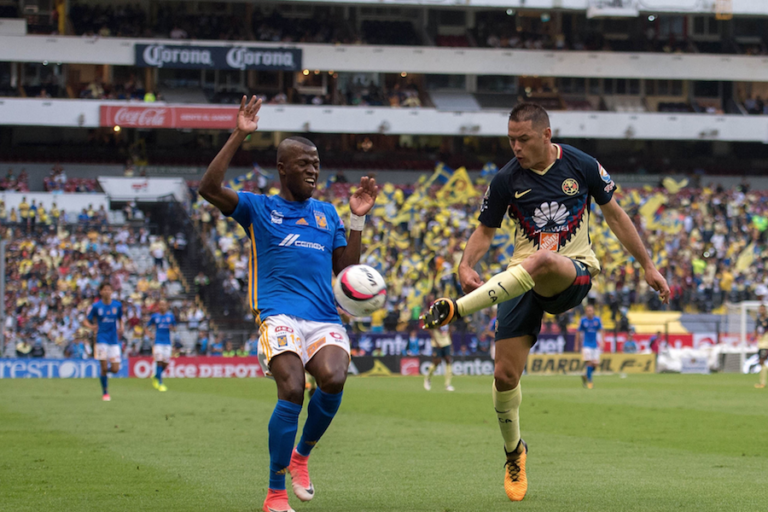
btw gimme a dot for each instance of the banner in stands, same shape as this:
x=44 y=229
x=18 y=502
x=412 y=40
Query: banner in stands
x=54 y=368
x=571 y=363
x=368 y=366
x=390 y=344
x=144 y=189
x=198 y=367
x=217 y=57
x=162 y=116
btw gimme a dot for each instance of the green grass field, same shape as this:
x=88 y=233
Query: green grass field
x=658 y=442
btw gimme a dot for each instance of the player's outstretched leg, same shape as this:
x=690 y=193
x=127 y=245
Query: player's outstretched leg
x=507 y=285
x=329 y=366
x=283 y=425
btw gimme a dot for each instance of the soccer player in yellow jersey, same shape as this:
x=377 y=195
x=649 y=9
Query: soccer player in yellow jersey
x=441 y=351
x=761 y=333
x=547 y=191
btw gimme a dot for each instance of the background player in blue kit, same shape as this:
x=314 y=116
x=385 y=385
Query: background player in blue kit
x=163 y=322
x=547 y=190
x=108 y=314
x=587 y=337
x=297 y=244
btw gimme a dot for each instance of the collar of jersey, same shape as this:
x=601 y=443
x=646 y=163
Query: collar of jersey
x=293 y=204
x=559 y=156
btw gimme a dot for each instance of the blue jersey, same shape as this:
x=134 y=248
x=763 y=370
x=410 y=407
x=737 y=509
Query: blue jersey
x=162 y=325
x=107 y=317
x=291 y=260
x=590 y=329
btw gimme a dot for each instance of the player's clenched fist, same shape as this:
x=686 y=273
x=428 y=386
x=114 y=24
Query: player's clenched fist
x=470 y=280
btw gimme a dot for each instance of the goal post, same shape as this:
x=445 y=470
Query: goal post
x=740 y=324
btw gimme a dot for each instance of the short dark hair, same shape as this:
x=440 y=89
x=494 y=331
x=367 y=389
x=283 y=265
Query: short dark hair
x=528 y=111
x=103 y=284
x=301 y=140
x=282 y=148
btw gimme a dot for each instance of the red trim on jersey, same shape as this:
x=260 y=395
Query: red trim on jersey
x=581 y=280
x=559 y=151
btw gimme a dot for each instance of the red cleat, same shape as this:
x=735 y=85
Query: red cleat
x=302 y=485
x=277 y=501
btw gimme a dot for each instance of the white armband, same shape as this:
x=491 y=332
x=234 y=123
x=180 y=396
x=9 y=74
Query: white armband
x=356 y=222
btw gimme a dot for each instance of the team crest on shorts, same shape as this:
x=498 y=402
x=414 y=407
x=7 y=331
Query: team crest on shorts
x=282 y=341
x=320 y=220
x=571 y=187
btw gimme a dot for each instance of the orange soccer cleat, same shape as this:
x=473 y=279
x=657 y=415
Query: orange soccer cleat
x=515 y=480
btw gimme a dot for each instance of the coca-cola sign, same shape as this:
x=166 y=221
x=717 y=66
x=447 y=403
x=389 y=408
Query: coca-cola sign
x=144 y=117
x=156 y=116
x=217 y=57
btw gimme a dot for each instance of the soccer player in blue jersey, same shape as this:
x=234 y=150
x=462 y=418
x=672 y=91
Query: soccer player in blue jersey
x=587 y=337
x=546 y=189
x=163 y=322
x=108 y=316
x=297 y=244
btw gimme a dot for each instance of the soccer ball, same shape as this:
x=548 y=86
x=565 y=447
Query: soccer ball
x=360 y=290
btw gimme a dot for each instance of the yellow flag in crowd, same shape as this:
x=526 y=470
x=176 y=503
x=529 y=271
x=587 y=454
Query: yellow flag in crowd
x=745 y=259
x=458 y=189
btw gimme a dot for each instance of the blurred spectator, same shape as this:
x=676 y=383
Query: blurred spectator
x=217 y=347
x=201 y=348
x=23 y=348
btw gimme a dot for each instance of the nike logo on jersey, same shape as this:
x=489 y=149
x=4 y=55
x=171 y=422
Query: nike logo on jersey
x=293 y=240
x=518 y=195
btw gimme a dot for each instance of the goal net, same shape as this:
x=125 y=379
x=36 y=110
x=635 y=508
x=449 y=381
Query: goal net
x=739 y=328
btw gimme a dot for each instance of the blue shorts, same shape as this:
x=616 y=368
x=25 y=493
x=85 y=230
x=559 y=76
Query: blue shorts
x=522 y=315
x=441 y=352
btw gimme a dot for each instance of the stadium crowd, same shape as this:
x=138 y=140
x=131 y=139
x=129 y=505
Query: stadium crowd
x=710 y=242
x=491 y=30
x=53 y=274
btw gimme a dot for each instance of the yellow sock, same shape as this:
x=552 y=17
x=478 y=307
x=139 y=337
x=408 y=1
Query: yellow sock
x=764 y=374
x=431 y=371
x=448 y=374
x=507 y=405
x=509 y=284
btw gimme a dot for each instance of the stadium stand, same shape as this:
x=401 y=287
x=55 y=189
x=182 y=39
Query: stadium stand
x=706 y=258
x=54 y=271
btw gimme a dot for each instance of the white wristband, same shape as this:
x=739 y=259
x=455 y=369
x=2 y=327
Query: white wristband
x=356 y=222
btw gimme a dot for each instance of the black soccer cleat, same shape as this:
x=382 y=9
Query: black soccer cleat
x=441 y=312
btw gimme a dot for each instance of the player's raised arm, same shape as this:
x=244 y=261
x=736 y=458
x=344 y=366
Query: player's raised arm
x=625 y=231
x=477 y=245
x=360 y=204
x=226 y=199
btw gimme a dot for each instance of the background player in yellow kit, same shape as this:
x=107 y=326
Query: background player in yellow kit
x=441 y=351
